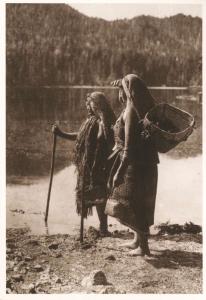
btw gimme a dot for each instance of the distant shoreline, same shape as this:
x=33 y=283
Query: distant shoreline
x=101 y=87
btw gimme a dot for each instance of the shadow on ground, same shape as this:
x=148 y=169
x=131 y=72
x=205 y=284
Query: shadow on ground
x=174 y=259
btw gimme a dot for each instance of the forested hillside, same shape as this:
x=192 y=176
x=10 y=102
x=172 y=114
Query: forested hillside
x=53 y=44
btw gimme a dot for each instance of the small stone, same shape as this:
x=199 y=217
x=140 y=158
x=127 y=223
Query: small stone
x=66 y=289
x=23 y=271
x=45 y=277
x=58 y=280
x=66 y=282
x=9 y=251
x=33 y=242
x=86 y=246
x=43 y=261
x=11 y=246
x=58 y=255
x=29 y=288
x=9 y=240
x=42 y=290
x=17 y=277
x=96 y=277
x=8 y=291
x=111 y=257
x=19 y=211
x=38 y=268
x=43 y=283
x=47 y=270
x=10 y=264
x=53 y=246
x=22 y=264
x=17 y=258
x=108 y=290
x=28 y=258
x=9 y=283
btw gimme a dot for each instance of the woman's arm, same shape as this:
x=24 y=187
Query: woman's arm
x=130 y=120
x=130 y=129
x=66 y=135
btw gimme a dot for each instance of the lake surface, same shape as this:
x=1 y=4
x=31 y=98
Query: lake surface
x=32 y=111
x=179 y=199
x=30 y=115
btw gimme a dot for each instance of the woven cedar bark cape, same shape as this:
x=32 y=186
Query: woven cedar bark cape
x=91 y=154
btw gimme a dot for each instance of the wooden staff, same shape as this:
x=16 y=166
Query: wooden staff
x=82 y=226
x=82 y=210
x=51 y=176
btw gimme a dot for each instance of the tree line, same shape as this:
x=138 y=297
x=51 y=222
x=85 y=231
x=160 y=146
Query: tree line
x=53 y=44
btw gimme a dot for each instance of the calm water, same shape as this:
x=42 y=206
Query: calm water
x=179 y=199
x=30 y=114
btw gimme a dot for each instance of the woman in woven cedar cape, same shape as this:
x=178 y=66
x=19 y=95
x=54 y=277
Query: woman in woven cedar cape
x=133 y=176
x=94 y=143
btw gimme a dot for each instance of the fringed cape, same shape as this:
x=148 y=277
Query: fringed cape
x=90 y=156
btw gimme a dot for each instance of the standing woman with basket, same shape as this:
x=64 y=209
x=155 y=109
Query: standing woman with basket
x=133 y=175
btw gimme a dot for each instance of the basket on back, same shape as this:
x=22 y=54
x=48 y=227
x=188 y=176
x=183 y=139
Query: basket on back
x=169 y=126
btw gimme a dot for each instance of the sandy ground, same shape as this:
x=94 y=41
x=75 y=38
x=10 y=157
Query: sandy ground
x=55 y=264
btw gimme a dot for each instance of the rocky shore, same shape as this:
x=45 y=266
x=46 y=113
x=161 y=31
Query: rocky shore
x=55 y=264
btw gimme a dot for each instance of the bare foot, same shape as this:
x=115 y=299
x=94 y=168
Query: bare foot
x=139 y=252
x=131 y=245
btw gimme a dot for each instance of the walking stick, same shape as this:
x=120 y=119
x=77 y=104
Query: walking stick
x=51 y=176
x=82 y=226
x=82 y=210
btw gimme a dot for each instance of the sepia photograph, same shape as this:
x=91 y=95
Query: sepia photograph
x=104 y=147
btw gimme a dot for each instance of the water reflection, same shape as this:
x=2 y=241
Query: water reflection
x=179 y=199
x=32 y=111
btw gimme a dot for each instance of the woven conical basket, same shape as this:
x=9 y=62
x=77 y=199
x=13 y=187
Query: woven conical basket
x=169 y=126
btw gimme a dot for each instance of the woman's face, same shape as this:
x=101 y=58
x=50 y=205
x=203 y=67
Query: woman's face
x=94 y=108
x=87 y=103
x=122 y=96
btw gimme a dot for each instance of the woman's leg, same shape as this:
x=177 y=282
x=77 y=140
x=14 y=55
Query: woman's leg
x=144 y=247
x=103 y=228
x=144 y=244
x=134 y=244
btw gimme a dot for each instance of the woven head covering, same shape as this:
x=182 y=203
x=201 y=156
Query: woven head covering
x=137 y=92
